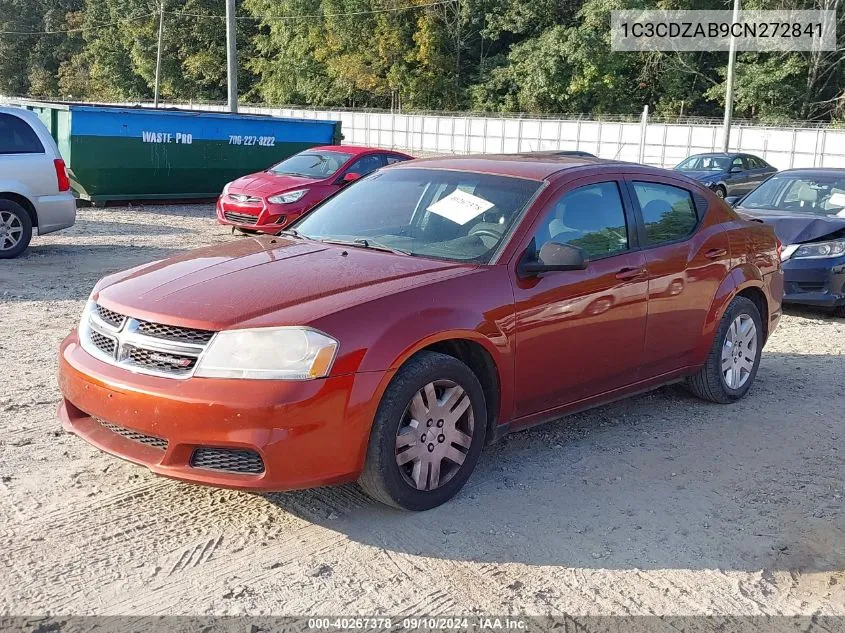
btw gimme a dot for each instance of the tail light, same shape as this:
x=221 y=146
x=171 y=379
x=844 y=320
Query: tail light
x=61 y=175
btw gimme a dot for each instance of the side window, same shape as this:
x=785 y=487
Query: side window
x=738 y=162
x=16 y=137
x=668 y=212
x=392 y=158
x=366 y=164
x=590 y=217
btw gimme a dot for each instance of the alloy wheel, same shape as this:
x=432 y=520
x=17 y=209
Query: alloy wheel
x=434 y=435
x=11 y=230
x=739 y=351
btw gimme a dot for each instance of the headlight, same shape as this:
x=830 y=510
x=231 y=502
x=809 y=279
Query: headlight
x=225 y=188
x=820 y=250
x=280 y=353
x=287 y=197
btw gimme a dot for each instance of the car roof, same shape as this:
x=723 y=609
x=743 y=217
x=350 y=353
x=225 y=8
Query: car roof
x=529 y=166
x=807 y=171
x=351 y=149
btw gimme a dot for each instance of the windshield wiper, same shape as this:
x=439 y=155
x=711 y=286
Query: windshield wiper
x=366 y=243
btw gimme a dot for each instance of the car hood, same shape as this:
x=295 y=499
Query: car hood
x=796 y=228
x=266 y=183
x=702 y=175
x=291 y=282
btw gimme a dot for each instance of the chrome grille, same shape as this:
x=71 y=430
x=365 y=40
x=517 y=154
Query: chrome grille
x=143 y=347
x=240 y=218
x=105 y=344
x=242 y=197
x=160 y=361
x=228 y=460
x=174 y=333
x=135 y=436
x=111 y=318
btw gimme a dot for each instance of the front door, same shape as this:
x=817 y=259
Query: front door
x=580 y=333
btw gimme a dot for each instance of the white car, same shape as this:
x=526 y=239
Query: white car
x=34 y=185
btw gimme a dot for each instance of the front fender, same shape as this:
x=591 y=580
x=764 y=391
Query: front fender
x=381 y=335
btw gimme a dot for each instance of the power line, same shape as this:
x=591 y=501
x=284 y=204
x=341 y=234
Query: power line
x=314 y=15
x=80 y=29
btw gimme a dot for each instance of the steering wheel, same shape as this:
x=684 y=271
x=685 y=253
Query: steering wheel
x=486 y=231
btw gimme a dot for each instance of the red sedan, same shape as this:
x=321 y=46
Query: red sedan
x=270 y=200
x=422 y=312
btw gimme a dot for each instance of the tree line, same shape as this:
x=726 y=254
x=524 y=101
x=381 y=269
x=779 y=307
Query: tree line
x=535 y=56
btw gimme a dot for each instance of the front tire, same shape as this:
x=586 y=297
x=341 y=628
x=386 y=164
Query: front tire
x=720 y=191
x=427 y=435
x=15 y=229
x=734 y=357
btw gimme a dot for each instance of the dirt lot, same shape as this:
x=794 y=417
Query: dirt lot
x=657 y=505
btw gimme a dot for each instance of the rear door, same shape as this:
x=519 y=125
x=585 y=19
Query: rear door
x=687 y=256
x=24 y=159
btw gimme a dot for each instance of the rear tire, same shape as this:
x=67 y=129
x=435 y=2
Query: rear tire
x=15 y=229
x=839 y=311
x=720 y=191
x=734 y=356
x=421 y=452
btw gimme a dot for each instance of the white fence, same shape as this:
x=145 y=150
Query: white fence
x=665 y=144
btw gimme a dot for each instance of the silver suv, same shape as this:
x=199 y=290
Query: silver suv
x=34 y=185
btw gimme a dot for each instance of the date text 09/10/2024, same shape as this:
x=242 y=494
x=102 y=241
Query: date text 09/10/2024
x=419 y=623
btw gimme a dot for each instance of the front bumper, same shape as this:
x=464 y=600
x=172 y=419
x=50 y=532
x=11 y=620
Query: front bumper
x=815 y=282
x=307 y=433
x=261 y=217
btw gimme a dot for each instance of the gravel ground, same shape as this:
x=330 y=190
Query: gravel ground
x=657 y=505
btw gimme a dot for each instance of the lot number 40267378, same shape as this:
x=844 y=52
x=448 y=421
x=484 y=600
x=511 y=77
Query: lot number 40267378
x=265 y=141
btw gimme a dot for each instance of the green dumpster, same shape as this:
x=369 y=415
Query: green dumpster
x=119 y=153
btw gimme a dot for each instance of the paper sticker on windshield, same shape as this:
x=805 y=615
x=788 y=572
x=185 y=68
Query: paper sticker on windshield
x=460 y=207
x=837 y=200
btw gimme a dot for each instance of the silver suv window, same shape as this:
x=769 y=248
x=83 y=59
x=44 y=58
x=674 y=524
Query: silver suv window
x=16 y=137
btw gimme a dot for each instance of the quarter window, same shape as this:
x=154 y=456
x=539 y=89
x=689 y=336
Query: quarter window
x=668 y=212
x=590 y=217
x=16 y=137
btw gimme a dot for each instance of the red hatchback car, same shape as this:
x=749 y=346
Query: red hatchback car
x=422 y=312
x=271 y=200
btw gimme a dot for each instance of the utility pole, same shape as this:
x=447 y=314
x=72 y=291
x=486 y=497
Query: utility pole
x=232 y=56
x=158 y=56
x=729 y=88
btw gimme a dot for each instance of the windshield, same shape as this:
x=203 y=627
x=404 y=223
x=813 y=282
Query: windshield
x=814 y=195
x=451 y=215
x=312 y=164
x=705 y=163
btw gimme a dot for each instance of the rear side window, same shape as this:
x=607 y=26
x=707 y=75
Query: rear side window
x=668 y=212
x=16 y=137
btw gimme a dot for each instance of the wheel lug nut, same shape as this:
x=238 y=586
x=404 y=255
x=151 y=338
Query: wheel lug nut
x=422 y=438
x=441 y=438
x=429 y=423
x=440 y=423
x=430 y=447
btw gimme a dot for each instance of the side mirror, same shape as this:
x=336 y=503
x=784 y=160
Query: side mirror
x=731 y=200
x=553 y=257
x=350 y=177
x=735 y=170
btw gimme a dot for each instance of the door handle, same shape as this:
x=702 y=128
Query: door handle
x=630 y=273
x=716 y=253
